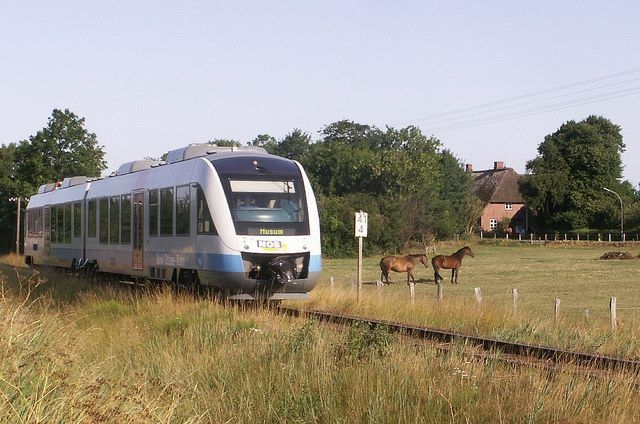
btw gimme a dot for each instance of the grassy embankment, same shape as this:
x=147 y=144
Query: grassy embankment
x=73 y=352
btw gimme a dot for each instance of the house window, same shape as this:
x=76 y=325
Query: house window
x=493 y=224
x=508 y=206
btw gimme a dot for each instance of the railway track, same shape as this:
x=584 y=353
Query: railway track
x=510 y=351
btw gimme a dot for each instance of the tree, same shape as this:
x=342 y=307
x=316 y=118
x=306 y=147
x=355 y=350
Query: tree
x=224 y=142
x=564 y=183
x=64 y=148
x=399 y=176
x=294 y=145
x=9 y=187
x=266 y=141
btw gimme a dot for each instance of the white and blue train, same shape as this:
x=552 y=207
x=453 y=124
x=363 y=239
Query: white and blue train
x=233 y=218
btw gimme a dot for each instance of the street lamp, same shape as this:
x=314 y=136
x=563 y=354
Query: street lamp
x=621 y=212
x=18 y=200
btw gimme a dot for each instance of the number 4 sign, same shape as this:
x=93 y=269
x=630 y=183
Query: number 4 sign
x=361 y=224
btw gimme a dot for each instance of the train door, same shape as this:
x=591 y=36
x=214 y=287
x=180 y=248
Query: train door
x=138 y=230
x=46 y=233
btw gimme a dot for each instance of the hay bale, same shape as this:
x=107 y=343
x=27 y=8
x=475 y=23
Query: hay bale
x=617 y=255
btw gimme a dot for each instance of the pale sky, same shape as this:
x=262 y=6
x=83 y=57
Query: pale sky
x=154 y=76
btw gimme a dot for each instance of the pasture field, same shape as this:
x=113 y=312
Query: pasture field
x=76 y=352
x=541 y=273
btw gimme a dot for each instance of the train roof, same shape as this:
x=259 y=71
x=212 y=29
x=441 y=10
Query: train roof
x=177 y=169
x=63 y=193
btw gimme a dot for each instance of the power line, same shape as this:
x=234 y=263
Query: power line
x=534 y=111
x=523 y=96
x=469 y=115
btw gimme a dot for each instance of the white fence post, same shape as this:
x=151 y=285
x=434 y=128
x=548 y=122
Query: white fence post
x=557 y=310
x=614 y=314
x=440 y=292
x=586 y=315
x=332 y=282
x=412 y=290
x=514 y=292
x=478 y=294
x=609 y=237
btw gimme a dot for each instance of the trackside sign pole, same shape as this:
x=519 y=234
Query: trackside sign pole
x=361 y=220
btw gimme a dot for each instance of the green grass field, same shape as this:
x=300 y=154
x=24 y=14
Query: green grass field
x=79 y=352
x=541 y=273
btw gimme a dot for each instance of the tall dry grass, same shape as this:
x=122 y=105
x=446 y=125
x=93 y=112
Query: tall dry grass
x=111 y=354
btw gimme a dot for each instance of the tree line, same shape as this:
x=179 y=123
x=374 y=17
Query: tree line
x=413 y=188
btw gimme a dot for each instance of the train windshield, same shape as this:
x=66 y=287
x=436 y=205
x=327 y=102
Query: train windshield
x=273 y=206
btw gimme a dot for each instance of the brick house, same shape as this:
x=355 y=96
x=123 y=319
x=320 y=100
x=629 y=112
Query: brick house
x=498 y=189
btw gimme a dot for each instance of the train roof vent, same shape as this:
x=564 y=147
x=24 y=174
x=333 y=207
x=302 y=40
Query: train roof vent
x=42 y=188
x=49 y=187
x=198 y=150
x=73 y=181
x=135 y=166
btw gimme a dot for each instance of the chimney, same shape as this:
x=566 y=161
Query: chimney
x=498 y=165
x=468 y=167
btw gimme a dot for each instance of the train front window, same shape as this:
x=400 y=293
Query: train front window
x=274 y=206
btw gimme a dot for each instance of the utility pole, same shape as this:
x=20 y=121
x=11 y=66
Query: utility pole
x=17 y=200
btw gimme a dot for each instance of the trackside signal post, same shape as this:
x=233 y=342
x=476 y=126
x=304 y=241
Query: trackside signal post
x=361 y=220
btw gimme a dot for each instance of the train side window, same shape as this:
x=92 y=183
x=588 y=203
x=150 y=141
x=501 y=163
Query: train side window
x=60 y=224
x=153 y=212
x=91 y=218
x=183 y=211
x=39 y=222
x=114 y=219
x=30 y=220
x=34 y=222
x=54 y=224
x=125 y=219
x=77 y=220
x=205 y=223
x=104 y=219
x=66 y=223
x=166 y=211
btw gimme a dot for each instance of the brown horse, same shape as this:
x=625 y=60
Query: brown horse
x=401 y=264
x=452 y=262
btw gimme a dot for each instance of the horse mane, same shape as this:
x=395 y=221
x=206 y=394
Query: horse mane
x=416 y=255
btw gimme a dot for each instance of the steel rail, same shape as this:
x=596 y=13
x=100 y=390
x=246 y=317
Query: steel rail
x=544 y=353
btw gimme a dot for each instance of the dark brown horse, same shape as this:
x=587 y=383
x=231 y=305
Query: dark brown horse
x=401 y=264
x=452 y=262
